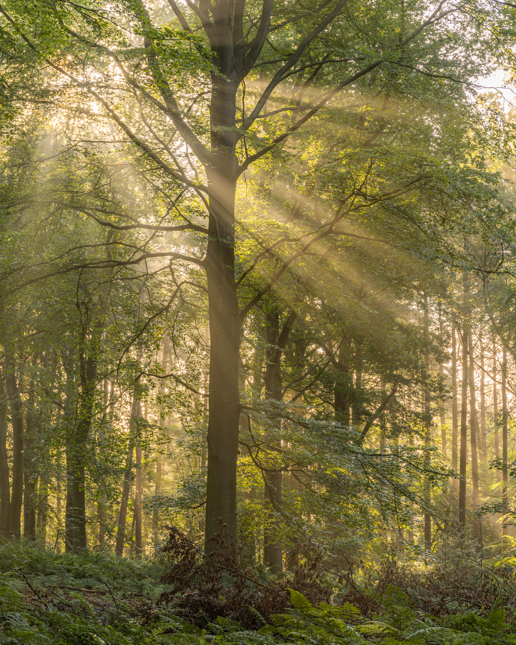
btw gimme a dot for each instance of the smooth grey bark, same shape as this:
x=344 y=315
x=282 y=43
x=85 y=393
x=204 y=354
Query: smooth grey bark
x=495 y=411
x=474 y=436
x=15 y=403
x=76 y=448
x=343 y=389
x=428 y=435
x=138 y=500
x=42 y=514
x=224 y=317
x=136 y=411
x=30 y=475
x=455 y=412
x=159 y=459
x=483 y=426
x=505 y=472
x=5 y=489
x=273 y=490
x=463 y=430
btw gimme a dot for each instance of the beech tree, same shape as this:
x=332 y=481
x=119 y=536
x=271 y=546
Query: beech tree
x=200 y=94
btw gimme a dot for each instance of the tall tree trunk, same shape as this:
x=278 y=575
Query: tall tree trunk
x=157 y=491
x=505 y=473
x=455 y=415
x=474 y=435
x=357 y=409
x=126 y=489
x=138 y=508
x=59 y=509
x=442 y=423
x=42 y=517
x=428 y=435
x=101 y=499
x=483 y=430
x=159 y=459
x=495 y=410
x=224 y=317
x=29 y=472
x=15 y=402
x=442 y=413
x=343 y=389
x=76 y=449
x=272 y=544
x=463 y=430
x=5 y=492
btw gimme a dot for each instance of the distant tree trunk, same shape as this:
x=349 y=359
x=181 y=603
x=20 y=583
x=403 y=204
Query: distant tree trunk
x=29 y=472
x=463 y=430
x=159 y=459
x=122 y=516
x=273 y=547
x=15 y=404
x=42 y=517
x=343 y=382
x=138 y=508
x=505 y=489
x=5 y=492
x=483 y=430
x=442 y=413
x=455 y=415
x=101 y=501
x=442 y=423
x=474 y=435
x=357 y=409
x=157 y=491
x=495 y=410
x=59 y=509
x=383 y=421
x=76 y=448
x=428 y=435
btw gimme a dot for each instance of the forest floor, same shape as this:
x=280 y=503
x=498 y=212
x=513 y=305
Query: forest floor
x=96 y=598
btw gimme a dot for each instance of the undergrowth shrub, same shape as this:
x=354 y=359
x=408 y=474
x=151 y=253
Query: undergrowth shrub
x=45 y=600
x=204 y=586
x=441 y=591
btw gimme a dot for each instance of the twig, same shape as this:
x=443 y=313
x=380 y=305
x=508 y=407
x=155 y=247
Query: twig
x=34 y=591
x=110 y=591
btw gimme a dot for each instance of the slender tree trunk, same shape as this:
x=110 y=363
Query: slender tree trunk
x=474 y=435
x=505 y=474
x=343 y=389
x=463 y=430
x=126 y=489
x=428 y=435
x=138 y=508
x=442 y=423
x=483 y=429
x=357 y=409
x=157 y=491
x=101 y=499
x=17 y=423
x=79 y=434
x=495 y=410
x=159 y=459
x=29 y=473
x=76 y=455
x=42 y=517
x=455 y=415
x=272 y=546
x=5 y=492
x=59 y=510
x=383 y=421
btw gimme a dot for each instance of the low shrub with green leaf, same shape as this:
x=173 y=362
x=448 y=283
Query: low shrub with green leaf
x=97 y=599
